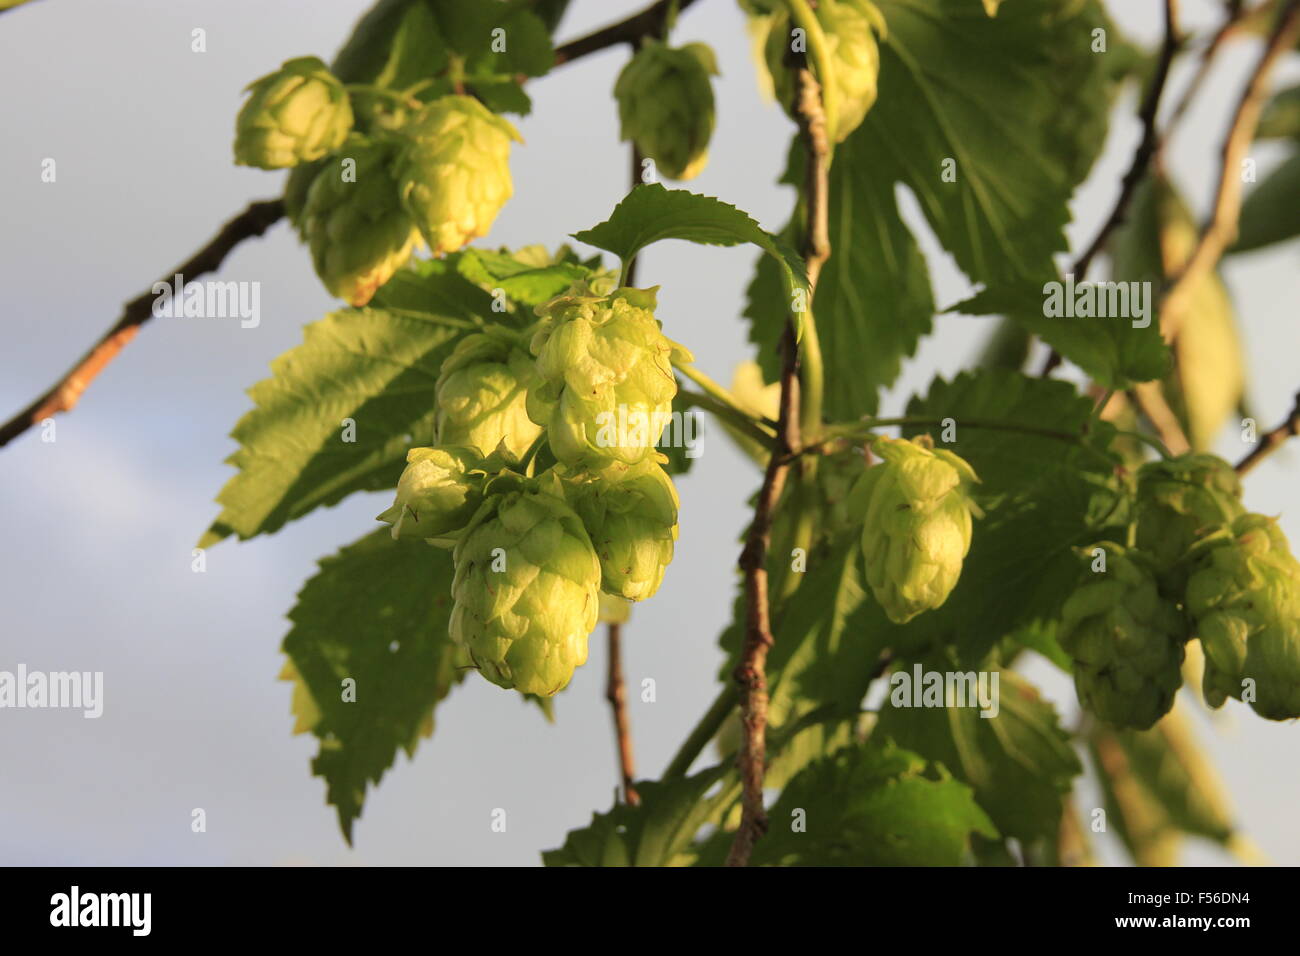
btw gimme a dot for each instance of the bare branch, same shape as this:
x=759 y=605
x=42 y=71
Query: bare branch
x=1273 y=440
x=616 y=694
x=649 y=22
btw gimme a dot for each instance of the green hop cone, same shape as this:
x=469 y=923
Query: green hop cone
x=916 y=531
x=357 y=230
x=527 y=587
x=437 y=494
x=454 y=173
x=850 y=27
x=1179 y=500
x=1244 y=598
x=630 y=511
x=665 y=105
x=481 y=396
x=1126 y=641
x=607 y=376
x=297 y=114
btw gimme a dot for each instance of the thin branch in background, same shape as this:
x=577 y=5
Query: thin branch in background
x=64 y=394
x=1141 y=162
x=751 y=672
x=616 y=694
x=255 y=221
x=1273 y=440
x=1231 y=21
x=1221 y=231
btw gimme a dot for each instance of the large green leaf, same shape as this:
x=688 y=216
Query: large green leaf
x=376 y=613
x=1019 y=761
x=373 y=368
x=1271 y=212
x=872 y=805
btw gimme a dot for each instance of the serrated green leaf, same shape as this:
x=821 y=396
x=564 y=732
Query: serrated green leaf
x=395 y=44
x=1020 y=761
x=366 y=374
x=1271 y=212
x=376 y=614
x=527 y=284
x=872 y=805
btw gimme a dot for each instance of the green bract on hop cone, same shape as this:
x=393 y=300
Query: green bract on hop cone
x=454 y=173
x=1178 y=501
x=481 y=396
x=665 y=105
x=630 y=511
x=916 y=531
x=1126 y=640
x=357 y=230
x=436 y=495
x=1244 y=599
x=295 y=115
x=607 y=376
x=850 y=27
x=527 y=587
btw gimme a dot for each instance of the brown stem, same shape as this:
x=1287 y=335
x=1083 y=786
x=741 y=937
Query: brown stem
x=1138 y=166
x=1150 y=400
x=1273 y=440
x=64 y=394
x=751 y=672
x=616 y=694
x=1221 y=230
x=649 y=22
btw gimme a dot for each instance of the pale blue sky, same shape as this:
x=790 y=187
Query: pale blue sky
x=98 y=526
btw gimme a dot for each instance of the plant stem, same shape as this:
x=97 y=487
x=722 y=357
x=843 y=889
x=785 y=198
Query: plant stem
x=616 y=694
x=1273 y=440
x=801 y=15
x=738 y=419
x=721 y=708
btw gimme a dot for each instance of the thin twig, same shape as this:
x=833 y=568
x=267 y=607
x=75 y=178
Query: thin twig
x=1150 y=400
x=1137 y=169
x=1221 y=230
x=751 y=672
x=616 y=694
x=1273 y=440
x=256 y=220
x=1232 y=19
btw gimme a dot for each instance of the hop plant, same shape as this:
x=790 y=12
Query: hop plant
x=297 y=114
x=665 y=105
x=606 y=372
x=357 y=230
x=1126 y=641
x=481 y=396
x=437 y=494
x=630 y=511
x=1179 y=500
x=454 y=173
x=1244 y=597
x=850 y=27
x=916 y=531
x=526 y=593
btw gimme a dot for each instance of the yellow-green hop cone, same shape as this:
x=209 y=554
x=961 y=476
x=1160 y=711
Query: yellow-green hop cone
x=630 y=511
x=850 y=27
x=527 y=588
x=665 y=105
x=454 y=173
x=357 y=230
x=1126 y=641
x=297 y=114
x=607 y=377
x=437 y=494
x=481 y=396
x=916 y=531
x=1244 y=599
x=1179 y=500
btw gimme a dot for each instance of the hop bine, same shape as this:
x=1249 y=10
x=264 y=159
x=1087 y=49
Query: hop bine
x=916 y=524
x=297 y=114
x=1126 y=641
x=665 y=105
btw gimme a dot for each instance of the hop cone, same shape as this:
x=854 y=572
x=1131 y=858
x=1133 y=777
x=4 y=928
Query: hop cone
x=607 y=376
x=526 y=590
x=357 y=230
x=295 y=115
x=916 y=528
x=631 y=514
x=436 y=495
x=481 y=395
x=665 y=105
x=454 y=174
x=850 y=27
x=1244 y=597
x=1178 y=501
x=1126 y=641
